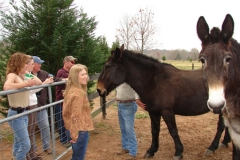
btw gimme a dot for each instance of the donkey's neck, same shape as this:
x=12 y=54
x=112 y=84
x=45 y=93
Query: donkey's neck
x=234 y=70
x=140 y=71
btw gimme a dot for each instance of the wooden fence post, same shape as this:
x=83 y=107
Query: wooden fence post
x=103 y=104
x=192 y=66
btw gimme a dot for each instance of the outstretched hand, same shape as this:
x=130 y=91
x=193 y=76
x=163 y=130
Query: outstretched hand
x=48 y=80
x=140 y=104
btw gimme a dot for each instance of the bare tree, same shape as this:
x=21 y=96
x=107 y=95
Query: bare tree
x=144 y=30
x=137 y=33
x=125 y=33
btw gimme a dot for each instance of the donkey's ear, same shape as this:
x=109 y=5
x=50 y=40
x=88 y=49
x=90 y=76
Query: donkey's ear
x=202 y=29
x=117 y=54
x=122 y=47
x=227 y=28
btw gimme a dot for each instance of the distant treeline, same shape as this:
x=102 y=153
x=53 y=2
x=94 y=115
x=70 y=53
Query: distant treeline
x=173 y=54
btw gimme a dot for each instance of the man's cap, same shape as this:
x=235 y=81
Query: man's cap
x=37 y=60
x=70 y=58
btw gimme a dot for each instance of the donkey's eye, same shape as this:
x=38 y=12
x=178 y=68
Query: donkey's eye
x=107 y=67
x=202 y=60
x=228 y=59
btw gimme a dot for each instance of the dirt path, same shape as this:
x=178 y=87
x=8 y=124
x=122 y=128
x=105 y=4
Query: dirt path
x=196 y=134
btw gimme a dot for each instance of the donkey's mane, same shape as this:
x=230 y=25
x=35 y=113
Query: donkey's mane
x=215 y=35
x=141 y=59
x=235 y=48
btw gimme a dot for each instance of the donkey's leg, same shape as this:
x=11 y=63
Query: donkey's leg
x=155 y=129
x=169 y=118
x=236 y=153
x=226 y=139
x=215 y=143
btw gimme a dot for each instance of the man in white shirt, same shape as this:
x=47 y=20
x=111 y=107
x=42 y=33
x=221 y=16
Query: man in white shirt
x=128 y=101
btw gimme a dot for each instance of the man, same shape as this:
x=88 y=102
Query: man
x=127 y=107
x=42 y=116
x=62 y=73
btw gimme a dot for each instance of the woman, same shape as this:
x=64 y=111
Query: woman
x=32 y=105
x=18 y=102
x=76 y=111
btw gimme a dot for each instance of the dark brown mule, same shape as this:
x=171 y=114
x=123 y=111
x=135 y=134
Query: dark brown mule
x=164 y=89
x=220 y=57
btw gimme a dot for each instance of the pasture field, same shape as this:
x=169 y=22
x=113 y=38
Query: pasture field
x=184 y=64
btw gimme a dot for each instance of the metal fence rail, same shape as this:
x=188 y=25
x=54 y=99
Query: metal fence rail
x=6 y=133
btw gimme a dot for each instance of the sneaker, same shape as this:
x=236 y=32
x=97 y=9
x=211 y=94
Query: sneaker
x=67 y=145
x=48 y=151
x=122 y=151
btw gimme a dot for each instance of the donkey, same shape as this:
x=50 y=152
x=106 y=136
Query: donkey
x=220 y=57
x=164 y=89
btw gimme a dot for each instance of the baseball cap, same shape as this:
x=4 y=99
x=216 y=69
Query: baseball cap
x=38 y=60
x=70 y=58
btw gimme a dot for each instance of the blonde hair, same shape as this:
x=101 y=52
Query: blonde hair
x=73 y=78
x=16 y=62
x=29 y=58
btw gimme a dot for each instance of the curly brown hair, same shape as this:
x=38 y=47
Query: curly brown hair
x=16 y=62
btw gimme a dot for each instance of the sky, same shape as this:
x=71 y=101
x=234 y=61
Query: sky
x=176 y=19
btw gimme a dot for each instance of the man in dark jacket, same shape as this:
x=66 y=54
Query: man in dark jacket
x=42 y=116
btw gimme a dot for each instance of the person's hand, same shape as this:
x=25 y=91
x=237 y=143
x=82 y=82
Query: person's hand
x=140 y=104
x=48 y=80
x=30 y=82
x=72 y=141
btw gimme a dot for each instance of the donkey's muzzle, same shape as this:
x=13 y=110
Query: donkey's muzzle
x=102 y=93
x=216 y=108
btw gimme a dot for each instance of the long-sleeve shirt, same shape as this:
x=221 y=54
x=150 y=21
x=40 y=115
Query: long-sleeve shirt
x=77 y=112
x=61 y=73
x=43 y=94
x=125 y=92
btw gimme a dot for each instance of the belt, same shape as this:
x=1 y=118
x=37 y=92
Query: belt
x=19 y=109
x=125 y=101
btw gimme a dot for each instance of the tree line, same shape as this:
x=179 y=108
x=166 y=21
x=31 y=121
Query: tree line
x=173 y=54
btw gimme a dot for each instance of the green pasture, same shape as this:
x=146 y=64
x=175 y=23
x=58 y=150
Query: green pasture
x=184 y=64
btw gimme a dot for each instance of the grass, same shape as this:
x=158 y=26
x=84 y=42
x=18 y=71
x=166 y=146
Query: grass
x=184 y=64
x=141 y=115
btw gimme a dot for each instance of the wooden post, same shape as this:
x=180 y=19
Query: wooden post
x=103 y=104
x=192 y=66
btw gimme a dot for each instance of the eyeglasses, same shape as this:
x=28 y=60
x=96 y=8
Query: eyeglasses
x=73 y=62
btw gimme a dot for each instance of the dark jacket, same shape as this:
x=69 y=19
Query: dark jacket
x=43 y=94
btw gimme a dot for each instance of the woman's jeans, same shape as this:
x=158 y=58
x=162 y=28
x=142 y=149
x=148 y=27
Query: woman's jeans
x=80 y=147
x=21 y=145
x=126 y=116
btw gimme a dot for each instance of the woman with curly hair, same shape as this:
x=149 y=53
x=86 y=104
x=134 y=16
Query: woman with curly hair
x=19 y=102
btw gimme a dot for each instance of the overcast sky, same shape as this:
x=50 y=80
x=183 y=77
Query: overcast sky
x=176 y=19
